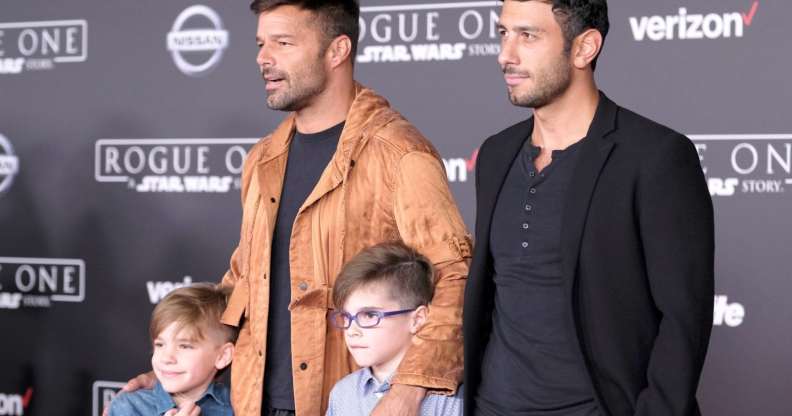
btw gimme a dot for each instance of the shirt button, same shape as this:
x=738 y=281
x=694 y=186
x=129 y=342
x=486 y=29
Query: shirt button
x=303 y=366
x=532 y=190
x=524 y=244
x=303 y=286
x=525 y=226
x=528 y=207
x=532 y=174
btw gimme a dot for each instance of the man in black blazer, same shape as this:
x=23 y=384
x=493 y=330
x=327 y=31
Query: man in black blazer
x=591 y=286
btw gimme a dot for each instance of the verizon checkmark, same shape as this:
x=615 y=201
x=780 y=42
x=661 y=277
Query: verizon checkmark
x=748 y=18
x=26 y=398
x=471 y=163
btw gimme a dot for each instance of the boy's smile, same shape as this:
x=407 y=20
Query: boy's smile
x=185 y=365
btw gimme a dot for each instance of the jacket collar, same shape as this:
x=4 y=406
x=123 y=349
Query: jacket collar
x=367 y=109
x=594 y=152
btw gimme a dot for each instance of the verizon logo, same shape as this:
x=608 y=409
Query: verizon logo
x=686 y=25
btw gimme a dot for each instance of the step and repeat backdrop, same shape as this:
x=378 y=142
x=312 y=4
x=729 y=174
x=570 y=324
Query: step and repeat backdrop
x=124 y=126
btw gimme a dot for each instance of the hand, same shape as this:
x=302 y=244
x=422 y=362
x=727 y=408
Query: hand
x=143 y=381
x=401 y=400
x=187 y=409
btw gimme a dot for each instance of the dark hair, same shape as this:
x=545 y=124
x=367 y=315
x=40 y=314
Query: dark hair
x=577 y=16
x=336 y=17
x=408 y=275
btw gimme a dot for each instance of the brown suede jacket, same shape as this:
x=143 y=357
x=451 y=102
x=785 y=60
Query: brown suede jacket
x=384 y=182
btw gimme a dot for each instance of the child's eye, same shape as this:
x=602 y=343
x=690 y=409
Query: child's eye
x=186 y=346
x=157 y=345
x=370 y=314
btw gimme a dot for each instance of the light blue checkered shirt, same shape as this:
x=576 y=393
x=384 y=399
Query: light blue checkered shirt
x=358 y=393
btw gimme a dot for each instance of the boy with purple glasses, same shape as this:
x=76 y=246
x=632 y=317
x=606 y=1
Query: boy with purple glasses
x=382 y=298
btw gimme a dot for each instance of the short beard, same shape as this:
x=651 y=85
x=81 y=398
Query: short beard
x=302 y=87
x=549 y=83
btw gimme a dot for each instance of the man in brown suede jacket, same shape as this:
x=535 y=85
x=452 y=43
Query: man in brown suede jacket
x=342 y=172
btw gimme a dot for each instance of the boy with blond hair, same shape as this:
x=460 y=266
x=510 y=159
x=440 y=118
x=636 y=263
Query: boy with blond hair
x=190 y=347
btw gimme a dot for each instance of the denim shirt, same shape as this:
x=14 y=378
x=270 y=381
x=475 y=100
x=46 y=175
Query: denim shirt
x=216 y=401
x=358 y=393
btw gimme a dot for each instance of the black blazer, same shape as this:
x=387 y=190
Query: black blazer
x=637 y=260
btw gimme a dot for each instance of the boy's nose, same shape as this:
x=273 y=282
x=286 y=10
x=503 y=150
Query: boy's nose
x=354 y=330
x=167 y=356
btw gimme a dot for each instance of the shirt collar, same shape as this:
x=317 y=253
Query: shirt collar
x=164 y=401
x=369 y=383
x=215 y=392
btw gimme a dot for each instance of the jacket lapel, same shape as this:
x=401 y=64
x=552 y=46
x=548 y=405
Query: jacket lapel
x=366 y=110
x=271 y=170
x=594 y=153
x=493 y=174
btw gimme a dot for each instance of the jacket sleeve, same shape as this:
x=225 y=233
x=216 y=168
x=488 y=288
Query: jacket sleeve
x=428 y=220
x=677 y=232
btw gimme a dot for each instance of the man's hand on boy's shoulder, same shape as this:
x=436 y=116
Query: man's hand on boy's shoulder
x=189 y=409
x=401 y=400
x=143 y=381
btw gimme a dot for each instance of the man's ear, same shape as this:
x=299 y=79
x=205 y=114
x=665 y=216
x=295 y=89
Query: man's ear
x=418 y=318
x=586 y=47
x=225 y=356
x=339 y=50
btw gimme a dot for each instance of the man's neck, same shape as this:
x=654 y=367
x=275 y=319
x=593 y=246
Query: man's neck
x=567 y=119
x=327 y=109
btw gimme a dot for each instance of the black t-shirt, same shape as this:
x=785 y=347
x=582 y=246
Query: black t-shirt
x=308 y=157
x=531 y=366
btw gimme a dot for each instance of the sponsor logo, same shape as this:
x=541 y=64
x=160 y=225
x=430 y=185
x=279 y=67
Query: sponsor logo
x=37 y=282
x=37 y=46
x=9 y=164
x=197 y=33
x=457 y=169
x=685 y=25
x=728 y=314
x=103 y=393
x=15 y=404
x=745 y=164
x=428 y=32
x=158 y=290
x=172 y=165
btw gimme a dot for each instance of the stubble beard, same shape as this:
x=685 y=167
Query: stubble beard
x=549 y=83
x=299 y=88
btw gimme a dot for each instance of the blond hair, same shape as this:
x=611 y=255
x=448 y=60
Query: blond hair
x=197 y=308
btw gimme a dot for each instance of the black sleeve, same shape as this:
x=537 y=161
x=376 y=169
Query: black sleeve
x=677 y=232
